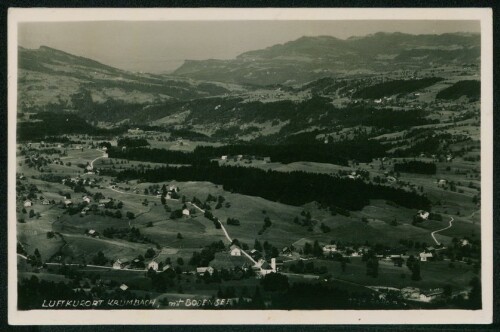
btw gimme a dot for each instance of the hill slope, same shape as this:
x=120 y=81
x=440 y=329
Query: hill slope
x=51 y=79
x=309 y=58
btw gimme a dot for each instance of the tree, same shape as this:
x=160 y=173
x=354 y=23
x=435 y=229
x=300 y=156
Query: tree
x=179 y=236
x=415 y=271
x=32 y=214
x=180 y=261
x=150 y=253
x=257 y=246
x=130 y=215
x=163 y=200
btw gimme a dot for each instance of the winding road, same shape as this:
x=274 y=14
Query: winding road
x=440 y=230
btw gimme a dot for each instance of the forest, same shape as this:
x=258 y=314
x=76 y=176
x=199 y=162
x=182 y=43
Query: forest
x=415 y=166
x=294 y=188
x=390 y=88
x=361 y=150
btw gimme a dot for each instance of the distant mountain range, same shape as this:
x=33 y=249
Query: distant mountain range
x=50 y=78
x=309 y=58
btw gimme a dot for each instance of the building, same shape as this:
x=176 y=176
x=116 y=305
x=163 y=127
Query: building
x=92 y=233
x=123 y=287
x=442 y=183
x=410 y=293
x=67 y=202
x=28 y=203
x=423 y=214
x=45 y=202
x=235 y=250
x=329 y=248
x=185 y=212
x=86 y=199
x=203 y=270
x=153 y=265
x=424 y=256
x=286 y=251
x=120 y=264
x=223 y=158
x=104 y=201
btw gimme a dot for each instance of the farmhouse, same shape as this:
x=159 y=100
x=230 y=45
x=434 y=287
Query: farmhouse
x=423 y=214
x=424 y=256
x=120 y=264
x=67 y=202
x=203 y=270
x=235 y=250
x=185 y=212
x=92 y=233
x=28 y=203
x=86 y=199
x=286 y=251
x=104 y=201
x=153 y=265
x=329 y=248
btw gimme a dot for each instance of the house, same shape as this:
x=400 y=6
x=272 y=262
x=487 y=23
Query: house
x=266 y=268
x=329 y=248
x=423 y=214
x=28 y=203
x=255 y=254
x=391 y=179
x=45 y=202
x=223 y=158
x=410 y=293
x=168 y=196
x=93 y=233
x=203 y=270
x=120 y=264
x=235 y=250
x=85 y=210
x=153 y=265
x=86 y=199
x=267 y=159
x=123 y=287
x=424 y=256
x=88 y=168
x=286 y=251
x=442 y=183
x=431 y=294
x=67 y=202
x=239 y=157
x=173 y=188
x=276 y=264
x=104 y=201
x=185 y=212
x=464 y=242
x=166 y=267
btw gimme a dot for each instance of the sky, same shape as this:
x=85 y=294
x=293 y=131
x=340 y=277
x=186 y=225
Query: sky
x=162 y=46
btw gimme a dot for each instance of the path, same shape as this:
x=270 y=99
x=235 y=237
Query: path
x=226 y=234
x=440 y=230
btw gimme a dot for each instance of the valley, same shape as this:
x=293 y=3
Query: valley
x=316 y=174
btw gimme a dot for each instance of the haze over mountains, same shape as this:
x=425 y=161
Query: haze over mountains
x=309 y=58
x=262 y=89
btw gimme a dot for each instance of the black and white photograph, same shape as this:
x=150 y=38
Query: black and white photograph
x=250 y=166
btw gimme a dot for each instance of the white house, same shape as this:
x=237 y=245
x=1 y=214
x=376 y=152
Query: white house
x=185 y=212
x=235 y=250
x=202 y=270
x=67 y=202
x=423 y=214
x=28 y=203
x=223 y=158
x=329 y=248
x=153 y=265
x=45 y=202
x=86 y=199
x=424 y=256
x=172 y=188
x=123 y=287
x=120 y=264
x=442 y=183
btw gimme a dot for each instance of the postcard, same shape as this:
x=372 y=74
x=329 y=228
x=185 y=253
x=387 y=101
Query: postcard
x=250 y=166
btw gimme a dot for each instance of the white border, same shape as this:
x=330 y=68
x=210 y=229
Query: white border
x=182 y=317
